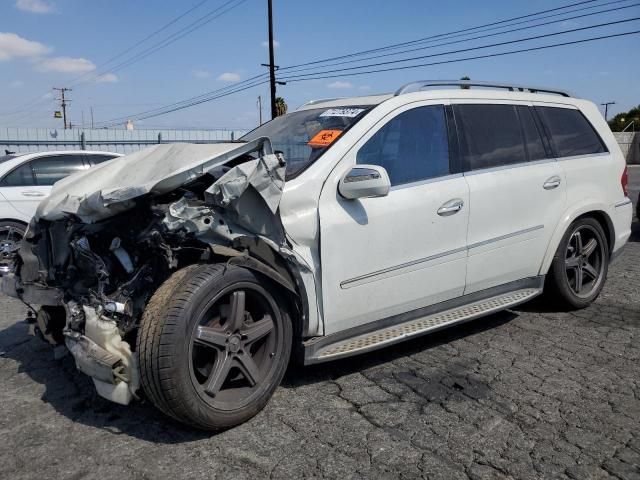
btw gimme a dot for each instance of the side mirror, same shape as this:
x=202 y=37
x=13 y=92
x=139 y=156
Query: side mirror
x=365 y=181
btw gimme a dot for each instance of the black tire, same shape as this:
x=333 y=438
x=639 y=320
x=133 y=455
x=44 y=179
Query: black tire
x=574 y=290
x=11 y=233
x=184 y=346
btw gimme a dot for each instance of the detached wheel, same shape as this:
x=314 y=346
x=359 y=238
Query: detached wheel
x=580 y=265
x=213 y=345
x=11 y=234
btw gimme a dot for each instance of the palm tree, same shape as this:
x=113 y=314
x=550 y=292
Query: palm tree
x=281 y=106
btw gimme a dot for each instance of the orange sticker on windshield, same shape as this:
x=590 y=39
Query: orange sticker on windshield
x=324 y=138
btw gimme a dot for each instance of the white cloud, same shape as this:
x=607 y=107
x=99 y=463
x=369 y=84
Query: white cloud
x=229 y=77
x=34 y=6
x=339 y=84
x=276 y=44
x=107 y=78
x=201 y=74
x=13 y=46
x=16 y=84
x=65 y=65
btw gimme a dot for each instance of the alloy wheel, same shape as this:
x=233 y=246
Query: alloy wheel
x=584 y=261
x=234 y=345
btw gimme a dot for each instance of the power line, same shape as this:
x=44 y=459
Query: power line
x=442 y=34
x=478 y=57
x=544 y=24
x=174 y=37
x=451 y=52
x=148 y=37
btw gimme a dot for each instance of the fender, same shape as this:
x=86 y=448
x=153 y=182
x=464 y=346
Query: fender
x=574 y=211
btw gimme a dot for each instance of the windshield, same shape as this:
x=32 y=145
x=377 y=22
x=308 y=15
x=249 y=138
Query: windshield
x=303 y=136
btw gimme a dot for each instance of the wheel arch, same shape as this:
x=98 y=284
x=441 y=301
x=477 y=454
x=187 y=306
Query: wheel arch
x=597 y=211
x=259 y=256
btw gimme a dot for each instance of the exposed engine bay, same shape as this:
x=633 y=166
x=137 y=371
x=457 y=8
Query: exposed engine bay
x=93 y=257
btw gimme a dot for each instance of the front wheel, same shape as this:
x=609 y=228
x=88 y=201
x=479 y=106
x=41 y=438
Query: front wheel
x=213 y=345
x=580 y=265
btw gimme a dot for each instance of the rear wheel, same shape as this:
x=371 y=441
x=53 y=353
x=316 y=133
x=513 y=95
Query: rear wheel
x=213 y=345
x=581 y=263
x=11 y=234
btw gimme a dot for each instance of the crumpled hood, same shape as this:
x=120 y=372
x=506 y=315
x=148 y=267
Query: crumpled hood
x=111 y=188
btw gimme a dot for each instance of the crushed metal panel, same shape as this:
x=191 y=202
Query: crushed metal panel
x=112 y=187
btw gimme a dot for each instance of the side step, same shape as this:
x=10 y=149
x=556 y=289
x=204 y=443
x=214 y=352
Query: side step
x=323 y=349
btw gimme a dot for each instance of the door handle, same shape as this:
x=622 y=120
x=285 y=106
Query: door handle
x=451 y=207
x=32 y=194
x=553 y=182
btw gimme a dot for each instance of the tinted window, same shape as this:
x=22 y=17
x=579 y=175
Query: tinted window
x=48 y=170
x=305 y=135
x=98 y=159
x=412 y=146
x=532 y=137
x=570 y=132
x=20 y=177
x=491 y=134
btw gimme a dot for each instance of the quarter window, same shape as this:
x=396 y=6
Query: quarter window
x=48 y=170
x=571 y=133
x=98 y=159
x=413 y=146
x=491 y=134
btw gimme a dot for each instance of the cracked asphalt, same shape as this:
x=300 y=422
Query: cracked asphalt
x=525 y=394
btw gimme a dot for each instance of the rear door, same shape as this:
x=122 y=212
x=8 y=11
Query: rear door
x=27 y=185
x=390 y=255
x=517 y=192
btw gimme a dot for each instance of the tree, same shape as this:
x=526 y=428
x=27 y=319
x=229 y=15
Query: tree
x=281 y=106
x=622 y=120
x=465 y=87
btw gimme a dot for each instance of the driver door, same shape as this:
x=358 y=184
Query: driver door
x=390 y=255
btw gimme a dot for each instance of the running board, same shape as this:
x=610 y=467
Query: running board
x=323 y=349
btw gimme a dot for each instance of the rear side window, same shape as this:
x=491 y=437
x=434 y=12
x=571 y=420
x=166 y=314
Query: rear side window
x=20 y=177
x=48 y=170
x=532 y=137
x=571 y=133
x=412 y=146
x=491 y=136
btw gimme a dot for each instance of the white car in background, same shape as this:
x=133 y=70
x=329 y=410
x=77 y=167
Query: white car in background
x=25 y=180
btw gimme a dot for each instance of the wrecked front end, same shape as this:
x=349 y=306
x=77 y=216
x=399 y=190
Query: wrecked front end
x=103 y=244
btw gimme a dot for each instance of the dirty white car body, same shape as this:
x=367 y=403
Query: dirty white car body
x=355 y=258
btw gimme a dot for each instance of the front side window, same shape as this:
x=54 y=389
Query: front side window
x=305 y=135
x=412 y=146
x=571 y=133
x=48 y=170
x=19 y=177
x=491 y=136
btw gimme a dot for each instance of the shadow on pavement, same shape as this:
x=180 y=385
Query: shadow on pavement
x=635 y=232
x=72 y=394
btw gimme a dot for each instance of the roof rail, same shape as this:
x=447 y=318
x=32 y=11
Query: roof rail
x=424 y=84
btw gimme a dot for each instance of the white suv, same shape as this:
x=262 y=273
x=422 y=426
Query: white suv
x=25 y=179
x=193 y=271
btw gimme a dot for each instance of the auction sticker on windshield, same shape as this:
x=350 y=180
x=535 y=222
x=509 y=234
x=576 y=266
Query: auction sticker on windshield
x=342 y=112
x=324 y=138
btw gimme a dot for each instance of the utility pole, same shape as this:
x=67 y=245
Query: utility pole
x=92 y=127
x=260 y=108
x=63 y=103
x=606 y=109
x=272 y=64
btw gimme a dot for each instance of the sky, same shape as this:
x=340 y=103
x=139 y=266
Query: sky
x=68 y=43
